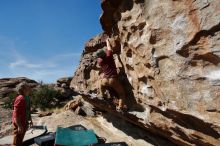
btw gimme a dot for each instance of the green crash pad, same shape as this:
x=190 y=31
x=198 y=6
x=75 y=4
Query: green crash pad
x=68 y=137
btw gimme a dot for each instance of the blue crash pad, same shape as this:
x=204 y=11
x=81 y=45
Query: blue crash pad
x=69 y=137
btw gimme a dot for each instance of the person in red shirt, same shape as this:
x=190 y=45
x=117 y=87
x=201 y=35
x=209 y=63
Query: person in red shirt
x=21 y=113
x=106 y=62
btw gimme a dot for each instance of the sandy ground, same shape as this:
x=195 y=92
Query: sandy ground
x=5 y=122
x=111 y=128
x=107 y=126
x=100 y=126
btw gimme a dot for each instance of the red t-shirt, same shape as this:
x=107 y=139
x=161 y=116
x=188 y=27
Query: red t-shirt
x=19 y=110
x=108 y=64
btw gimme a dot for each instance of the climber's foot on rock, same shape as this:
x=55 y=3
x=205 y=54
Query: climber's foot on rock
x=122 y=109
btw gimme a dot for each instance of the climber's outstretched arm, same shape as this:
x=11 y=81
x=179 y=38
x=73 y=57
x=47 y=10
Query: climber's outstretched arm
x=108 y=45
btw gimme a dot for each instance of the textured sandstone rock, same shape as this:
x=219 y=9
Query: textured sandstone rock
x=73 y=104
x=80 y=106
x=168 y=57
x=44 y=114
x=65 y=80
x=8 y=85
x=62 y=85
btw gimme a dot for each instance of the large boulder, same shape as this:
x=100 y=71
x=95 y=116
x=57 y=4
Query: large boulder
x=168 y=57
x=80 y=106
x=63 y=86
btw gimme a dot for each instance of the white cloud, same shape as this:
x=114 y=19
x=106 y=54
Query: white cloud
x=45 y=75
x=47 y=70
x=25 y=64
x=17 y=63
x=49 y=76
x=68 y=55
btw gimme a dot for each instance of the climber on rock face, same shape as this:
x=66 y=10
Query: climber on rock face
x=106 y=62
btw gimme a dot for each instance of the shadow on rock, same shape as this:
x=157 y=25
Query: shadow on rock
x=136 y=132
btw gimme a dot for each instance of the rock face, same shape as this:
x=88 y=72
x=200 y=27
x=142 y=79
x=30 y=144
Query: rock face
x=8 y=85
x=168 y=57
x=80 y=107
x=62 y=85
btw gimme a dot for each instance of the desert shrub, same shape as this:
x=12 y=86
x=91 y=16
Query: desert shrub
x=10 y=101
x=45 y=97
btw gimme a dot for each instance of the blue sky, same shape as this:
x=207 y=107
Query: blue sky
x=43 y=39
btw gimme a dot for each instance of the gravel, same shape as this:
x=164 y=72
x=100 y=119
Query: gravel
x=5 y=122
